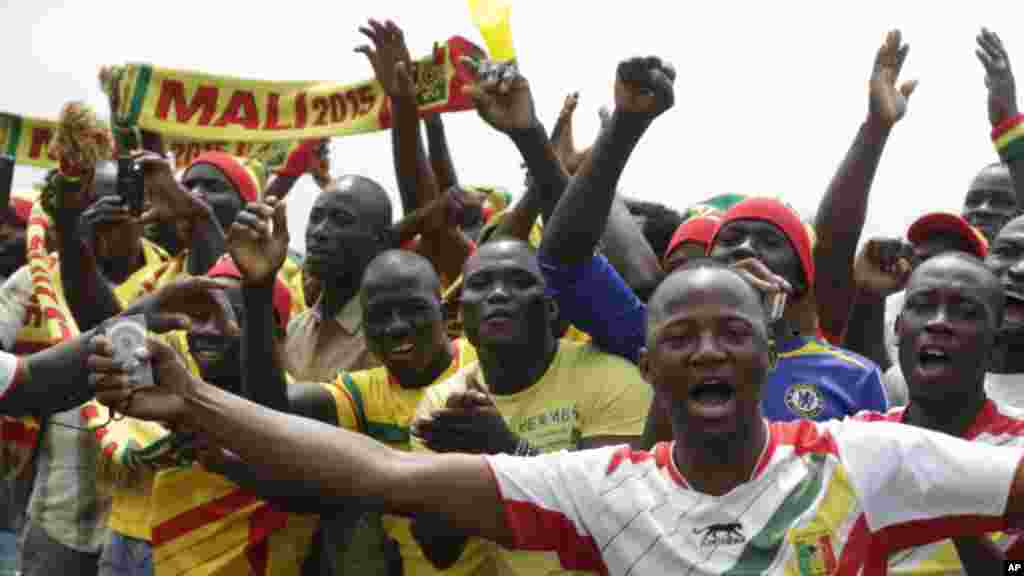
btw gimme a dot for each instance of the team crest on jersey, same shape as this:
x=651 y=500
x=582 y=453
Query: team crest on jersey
x=805 y=400
x=814 y=553
x=726 y=534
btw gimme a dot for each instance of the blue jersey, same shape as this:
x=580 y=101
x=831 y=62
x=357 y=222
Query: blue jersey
x=814 y=380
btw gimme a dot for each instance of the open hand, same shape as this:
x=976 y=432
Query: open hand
x=258 y=240
x=389 y=57
x=167 y=199
x=502 y=96
x=1002 y=90
x=178 y=305
x=164 y=402
x=887 y=103
x=882 y=267
x=644 y=87
x=469 y=423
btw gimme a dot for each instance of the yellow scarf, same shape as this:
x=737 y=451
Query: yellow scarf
x=203 y=107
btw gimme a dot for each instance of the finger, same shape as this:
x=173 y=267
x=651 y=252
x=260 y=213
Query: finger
x=114 y=397
x=901 y=57
x=163 y=323
x=986 y=61
x=206 y=283
x=251 y=226
x=907 y=88
x=669 y=71
x=662 y=86
x=159 y=352
x=104 y=364
x=150 y=216
x=986 y=42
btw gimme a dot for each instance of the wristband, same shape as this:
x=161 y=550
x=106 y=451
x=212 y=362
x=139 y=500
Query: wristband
x=1008 y=138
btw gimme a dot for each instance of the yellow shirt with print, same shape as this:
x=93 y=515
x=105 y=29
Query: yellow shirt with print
x=585 y=393
x=369 y=401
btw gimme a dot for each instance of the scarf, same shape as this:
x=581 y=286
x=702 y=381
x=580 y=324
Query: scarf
x=204 y=107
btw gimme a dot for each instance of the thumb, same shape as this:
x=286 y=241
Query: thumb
x=159 y=352
x=402 y=72
x=150 y=216
x=163 y=323
x=907 y=88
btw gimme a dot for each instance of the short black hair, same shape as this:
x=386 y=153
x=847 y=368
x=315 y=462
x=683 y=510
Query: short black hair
x=998 y=297
x=660 y=225
x=654 y=308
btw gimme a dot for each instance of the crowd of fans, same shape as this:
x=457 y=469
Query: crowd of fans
x=573 y=382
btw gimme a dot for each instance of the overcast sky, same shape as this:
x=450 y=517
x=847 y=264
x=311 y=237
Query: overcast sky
x=768 y=95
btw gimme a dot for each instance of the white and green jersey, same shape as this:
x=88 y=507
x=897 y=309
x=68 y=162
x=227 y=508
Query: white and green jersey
x=822 y=498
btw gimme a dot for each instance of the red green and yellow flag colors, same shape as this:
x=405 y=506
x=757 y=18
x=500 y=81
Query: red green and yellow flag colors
x=202 y=107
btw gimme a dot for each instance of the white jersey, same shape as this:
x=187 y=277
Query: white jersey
x=995 y=424
x=819 y=494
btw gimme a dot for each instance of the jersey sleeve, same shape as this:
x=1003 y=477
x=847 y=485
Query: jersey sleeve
x=872 y=392
x=544 y=499
x=618 y=397
x=347 y=402
x=920 y=486
x=15 y=294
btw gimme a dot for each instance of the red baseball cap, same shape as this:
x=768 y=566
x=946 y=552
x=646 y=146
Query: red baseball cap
x=948 y=223
x=698 y=229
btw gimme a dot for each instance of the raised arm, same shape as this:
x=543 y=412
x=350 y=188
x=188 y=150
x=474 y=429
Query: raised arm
x=842 y=211
x=335 y=463
x=1002 y=108
x=440 y=153
x=308 y=157
x=643 y=90
x=89 y=296
x=258 y=244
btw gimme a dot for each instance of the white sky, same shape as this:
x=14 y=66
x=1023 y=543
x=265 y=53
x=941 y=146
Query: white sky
x=768 y=95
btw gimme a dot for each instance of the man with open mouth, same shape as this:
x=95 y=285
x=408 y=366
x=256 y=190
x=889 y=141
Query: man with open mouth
x=530 y=392
x=948 y=329
x=733 y=493
x=400 y=299
x=1005 y=381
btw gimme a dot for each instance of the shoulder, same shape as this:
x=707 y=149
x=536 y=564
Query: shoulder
x=840 y=361
x=586 y=356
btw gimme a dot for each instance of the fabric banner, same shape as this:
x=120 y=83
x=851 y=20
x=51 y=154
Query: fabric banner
x=493 y=18
x=28 y=141
x=201 y=107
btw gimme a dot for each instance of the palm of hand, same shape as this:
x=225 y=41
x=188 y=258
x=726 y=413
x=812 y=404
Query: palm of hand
x=1002 y=93
x=258 y=260
x=887 y=101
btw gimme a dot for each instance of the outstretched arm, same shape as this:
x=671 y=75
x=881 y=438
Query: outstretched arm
x=841 y=214
x=337 y=464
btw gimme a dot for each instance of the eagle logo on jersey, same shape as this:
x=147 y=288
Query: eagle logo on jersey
x=805 y=400
x=715 y=535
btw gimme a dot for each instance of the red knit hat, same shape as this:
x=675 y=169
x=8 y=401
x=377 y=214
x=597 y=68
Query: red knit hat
x=948 y=223
x=226 y=268
x=778 y=213
x=248 y=176
x=698 y=229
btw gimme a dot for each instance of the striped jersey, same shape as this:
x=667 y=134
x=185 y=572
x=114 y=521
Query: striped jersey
x=814 y=380
x=18 y=436
x=374 y=403
x=994 y=425
x=819 y=494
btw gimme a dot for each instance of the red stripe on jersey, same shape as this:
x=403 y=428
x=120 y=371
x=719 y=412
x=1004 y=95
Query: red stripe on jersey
x=991 y=421
x=805 y=436
x=536 y=529
x=920 y=532
x=663 y=456
x=627 y=453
